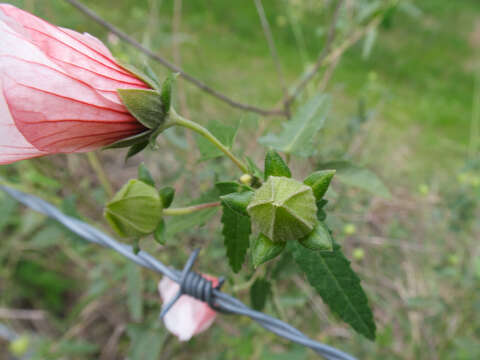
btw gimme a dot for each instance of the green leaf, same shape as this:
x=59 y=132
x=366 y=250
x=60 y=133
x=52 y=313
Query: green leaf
x=145 y=105
x=259 y=292
x=338 y=285
x=236 y=227
x=146 y=341
x=225 y=133
x=319 y=239
x=298 y=134
x=159 y=233
x=167 y=194
x=354 y=175
x=134 y=291
x=275 y=166
x=319 y=182
x=166 y=95
x=264 y=249
x=144 y=175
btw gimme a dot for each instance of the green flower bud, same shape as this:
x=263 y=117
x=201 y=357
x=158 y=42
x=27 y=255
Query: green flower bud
x=19 y=346
x=283 y=209
x=136 y=210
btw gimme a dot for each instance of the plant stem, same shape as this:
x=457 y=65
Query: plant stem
x=102 y=176
x=189 y=209
x=181 y=121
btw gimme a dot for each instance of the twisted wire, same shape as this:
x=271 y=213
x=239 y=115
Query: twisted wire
x=188 y=280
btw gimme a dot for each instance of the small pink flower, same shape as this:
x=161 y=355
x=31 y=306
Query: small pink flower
x=58 y=90
x=188 y=316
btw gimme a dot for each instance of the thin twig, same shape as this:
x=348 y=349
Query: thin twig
x=113 y=29
x=21 y=314
x=273 y=51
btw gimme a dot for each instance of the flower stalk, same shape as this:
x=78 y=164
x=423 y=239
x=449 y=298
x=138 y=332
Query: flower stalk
x=179 y=120
x=189 y=209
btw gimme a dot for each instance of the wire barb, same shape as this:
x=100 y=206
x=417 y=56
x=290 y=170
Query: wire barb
x=186 y=278
x=195 y=285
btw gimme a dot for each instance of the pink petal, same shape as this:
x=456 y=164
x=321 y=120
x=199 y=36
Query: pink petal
x=81 y=55
x=13 y=146
x=188 y=316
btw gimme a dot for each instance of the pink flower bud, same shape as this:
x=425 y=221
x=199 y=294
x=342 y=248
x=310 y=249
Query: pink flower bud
x=188 y=316
x=58 y=90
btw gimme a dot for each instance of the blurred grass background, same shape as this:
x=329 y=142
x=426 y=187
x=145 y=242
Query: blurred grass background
x=407 y=110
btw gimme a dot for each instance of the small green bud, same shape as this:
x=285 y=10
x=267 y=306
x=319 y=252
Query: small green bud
x=19 y=346
x=283 y=209
x=264 y=249
x=349 y=229
x=135 y=210
x=246 y=179
x=358 y=254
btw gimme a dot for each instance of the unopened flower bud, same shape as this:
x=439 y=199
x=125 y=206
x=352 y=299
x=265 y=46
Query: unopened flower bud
x=283 y=209
x=136 y=210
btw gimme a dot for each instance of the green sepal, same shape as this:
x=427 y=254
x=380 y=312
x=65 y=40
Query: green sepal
x=255 y=171
x=275 y=166
x=321 y=214
x=238 y=201
x=167 y=194
x=166 y=93
x=264 y=249
x=144 y=175
x=319 y=239
x=150 y=80
x=130 y=141
x=228 y=187
x=135 y=149
x=145 y=105
x=159 y=233
x=319 y=182
x=135 y=210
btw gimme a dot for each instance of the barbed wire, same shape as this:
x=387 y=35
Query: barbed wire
x=201 y=290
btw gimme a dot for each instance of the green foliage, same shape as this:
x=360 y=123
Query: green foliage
x=358 y=176
x=145 y=105
x=225 y=133
x=338 y=285
x=146 y=341
x=275 y=166
x=259 y=293
x=134 y=281
x=236 y=227
x=298 y=133
x=160 y=233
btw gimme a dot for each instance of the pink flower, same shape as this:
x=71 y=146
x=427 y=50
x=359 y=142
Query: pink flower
x=188 y=316
x=58 y=90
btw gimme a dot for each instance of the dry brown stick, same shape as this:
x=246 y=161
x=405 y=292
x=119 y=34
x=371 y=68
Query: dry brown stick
x=321 y=57
x=113 y=29
x=273 y=51
x=21 y=314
